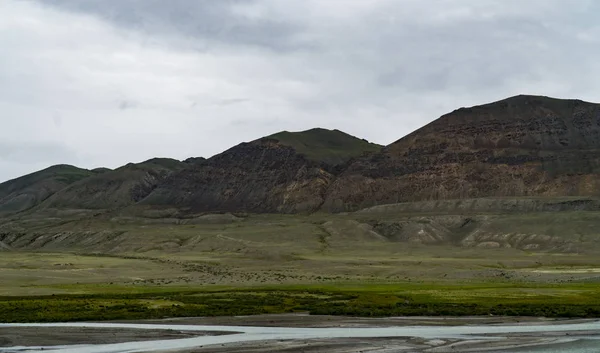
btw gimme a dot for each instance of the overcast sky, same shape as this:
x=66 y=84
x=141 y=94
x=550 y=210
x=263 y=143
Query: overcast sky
x=105 y=82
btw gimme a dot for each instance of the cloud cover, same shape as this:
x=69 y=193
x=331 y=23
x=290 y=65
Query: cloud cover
x=106 y=82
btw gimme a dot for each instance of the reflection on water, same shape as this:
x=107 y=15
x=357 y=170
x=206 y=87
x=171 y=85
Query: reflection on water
x=247 y=334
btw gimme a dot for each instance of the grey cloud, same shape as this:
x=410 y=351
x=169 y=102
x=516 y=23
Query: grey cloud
x=204 y=75
x=473 y=53
x=57 y=120
x=126 y=104
x=197 y=23
x=35 y=152
x=232 y=101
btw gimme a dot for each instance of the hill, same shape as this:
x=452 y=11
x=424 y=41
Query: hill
x=101 y=170
x=520 y=146
x=523 y=146
x=286 y=172
x=114 y=188
x=331 y=147
x=30 y=190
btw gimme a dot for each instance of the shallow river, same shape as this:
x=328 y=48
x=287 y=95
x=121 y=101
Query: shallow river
x=588 y=344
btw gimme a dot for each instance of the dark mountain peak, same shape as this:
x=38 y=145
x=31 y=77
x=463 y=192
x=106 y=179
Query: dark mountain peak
x=283 y=172
x=153 y=163
x=160 y=161
x=529 y=99
x=30 y=190
x=520 y=146
x=332 y=147
x=59 y=167
x=101 y=170
x=195 y=160
x=62 y=171
x=313 y=134
x=523 y=106
x=115 y=188
x=170 y=163
x=522 y=120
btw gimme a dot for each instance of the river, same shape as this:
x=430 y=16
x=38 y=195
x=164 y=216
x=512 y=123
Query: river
x=587 y=343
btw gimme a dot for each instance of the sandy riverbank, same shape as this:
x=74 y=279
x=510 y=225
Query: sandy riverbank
x=64 y=336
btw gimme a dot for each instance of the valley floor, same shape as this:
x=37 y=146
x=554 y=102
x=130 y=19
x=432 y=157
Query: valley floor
x=362 y=264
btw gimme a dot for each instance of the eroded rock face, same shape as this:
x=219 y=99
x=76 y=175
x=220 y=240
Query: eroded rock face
x=521 y=146
x=259 y=176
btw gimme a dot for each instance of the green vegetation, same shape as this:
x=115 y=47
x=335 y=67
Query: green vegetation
x=27 y=191
x=101 y=170
x=114 y=188
x=329 y=146
x=65 y=173
x=62 y=172
x=169 y=163
x=366 y=264
x=573 y=300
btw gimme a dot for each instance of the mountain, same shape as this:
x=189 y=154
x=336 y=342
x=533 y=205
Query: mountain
x=520 y=146
x=523 y=146
x=101 y=170
x=30 y=190
x=286 y=172
x=110 y=189
x=330 y=147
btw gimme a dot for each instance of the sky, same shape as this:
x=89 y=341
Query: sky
x=105 y=82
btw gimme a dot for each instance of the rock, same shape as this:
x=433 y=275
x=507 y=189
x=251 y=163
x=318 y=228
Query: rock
x=521 y=146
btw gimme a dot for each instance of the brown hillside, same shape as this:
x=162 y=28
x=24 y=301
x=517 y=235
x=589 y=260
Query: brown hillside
x=285 y=172
x=520 y=146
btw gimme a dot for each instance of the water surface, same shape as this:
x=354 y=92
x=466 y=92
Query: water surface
x=249 y=334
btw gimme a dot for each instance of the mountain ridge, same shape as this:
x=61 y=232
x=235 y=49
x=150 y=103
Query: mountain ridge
x=285 y=172
x=116 y=188
x=521 y=146
x=22 y=193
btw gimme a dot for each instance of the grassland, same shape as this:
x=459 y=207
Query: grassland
x=69 y=287
x=573 y=300
x=116 y=267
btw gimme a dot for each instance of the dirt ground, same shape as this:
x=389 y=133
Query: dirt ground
x=378 y=345
x=305 y=320
x=49 y=336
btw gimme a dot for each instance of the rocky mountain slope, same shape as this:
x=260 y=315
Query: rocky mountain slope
x=520 y=146
x=30 y=190
x=116 y=188
x=285 y=172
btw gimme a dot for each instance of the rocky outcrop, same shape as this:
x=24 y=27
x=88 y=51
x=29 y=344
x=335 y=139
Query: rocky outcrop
x=259 y=176
x=288 y=172
x=487 y=205
x=521 y=146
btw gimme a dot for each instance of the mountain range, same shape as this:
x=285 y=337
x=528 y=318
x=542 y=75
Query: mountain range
x=523 y=146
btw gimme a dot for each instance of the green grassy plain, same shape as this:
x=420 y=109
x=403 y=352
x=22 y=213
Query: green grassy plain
x=70 y=287
x=116 y=267
x=572 y=300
